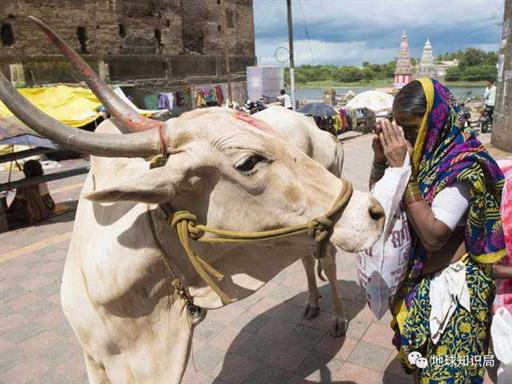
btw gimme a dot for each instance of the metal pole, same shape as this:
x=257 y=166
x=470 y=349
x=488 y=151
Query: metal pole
x=226 y=59
x=290 y=46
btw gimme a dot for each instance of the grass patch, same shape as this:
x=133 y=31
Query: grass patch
x=476 y=84
x=339 y=84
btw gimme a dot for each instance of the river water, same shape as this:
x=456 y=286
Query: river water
x=318 y=93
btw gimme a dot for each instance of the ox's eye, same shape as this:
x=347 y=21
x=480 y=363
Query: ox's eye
x=249 y=163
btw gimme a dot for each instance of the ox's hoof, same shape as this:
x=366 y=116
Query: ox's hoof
x=339 y=326
x=310 y=312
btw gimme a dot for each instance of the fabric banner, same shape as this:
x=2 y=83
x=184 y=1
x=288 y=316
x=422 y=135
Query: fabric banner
x=73 y=106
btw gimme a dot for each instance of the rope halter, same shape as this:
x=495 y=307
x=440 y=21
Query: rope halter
x=187 y=228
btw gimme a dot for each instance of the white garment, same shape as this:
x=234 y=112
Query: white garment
x=504 y=374
x=451 y=205
x=286 y=100
x=448 y=289
x=490 y=96
x=501 y=332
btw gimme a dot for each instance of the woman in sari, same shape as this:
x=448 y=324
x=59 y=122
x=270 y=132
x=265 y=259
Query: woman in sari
x=31 y=204
x=442 y=310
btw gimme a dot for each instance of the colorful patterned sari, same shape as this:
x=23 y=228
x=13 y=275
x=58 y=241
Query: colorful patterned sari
x=445 y=153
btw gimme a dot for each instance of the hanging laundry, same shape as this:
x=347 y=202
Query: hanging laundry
x=180 y=99
x=344 y=120
x=199 y=97
x=187 y=96
x=337 y=124
x=210 y=96
x=166 y=100
x=151 y=101
x=353 y=118
x=220 y=96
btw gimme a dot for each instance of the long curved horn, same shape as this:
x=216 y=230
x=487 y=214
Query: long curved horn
x=139 y=144
x=115 y=105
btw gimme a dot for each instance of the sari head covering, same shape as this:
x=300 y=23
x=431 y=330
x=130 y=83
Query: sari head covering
x=446 y=152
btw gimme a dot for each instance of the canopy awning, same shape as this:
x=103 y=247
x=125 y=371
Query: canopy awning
x=378 y=102
x=73 y=106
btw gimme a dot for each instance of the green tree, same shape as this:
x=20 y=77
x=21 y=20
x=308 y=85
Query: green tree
x=471 y=57
x=479 y=73
x=453 y=74
x=350 y=74
x=474 y=65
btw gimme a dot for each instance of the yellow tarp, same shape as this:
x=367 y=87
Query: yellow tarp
x=72 y=106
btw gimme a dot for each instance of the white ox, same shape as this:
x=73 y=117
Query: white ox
x=231 y=171
x=322 y=147
x=115 y=290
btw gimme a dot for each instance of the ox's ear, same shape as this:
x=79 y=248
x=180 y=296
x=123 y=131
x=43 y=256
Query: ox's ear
x=157 y=185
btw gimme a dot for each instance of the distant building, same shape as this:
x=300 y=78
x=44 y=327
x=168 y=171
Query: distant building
x=403 y=71
x=427 y=67
x=153 y=44
x=442 y=67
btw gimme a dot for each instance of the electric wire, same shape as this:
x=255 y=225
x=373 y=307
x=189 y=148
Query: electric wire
x=306 y=31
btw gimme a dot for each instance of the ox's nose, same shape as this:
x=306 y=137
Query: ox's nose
x=376 y=211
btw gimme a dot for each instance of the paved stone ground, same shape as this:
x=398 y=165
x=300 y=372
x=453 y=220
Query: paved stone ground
x=259 y=340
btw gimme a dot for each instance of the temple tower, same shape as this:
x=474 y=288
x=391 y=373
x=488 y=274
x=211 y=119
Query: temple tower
x=427 y=67
x=403 y=71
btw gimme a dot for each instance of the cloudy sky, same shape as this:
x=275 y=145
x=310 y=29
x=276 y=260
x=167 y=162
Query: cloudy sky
x=348 y=32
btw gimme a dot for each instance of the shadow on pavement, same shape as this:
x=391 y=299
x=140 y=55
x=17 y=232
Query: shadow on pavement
x=64 y=212
x=280 y=334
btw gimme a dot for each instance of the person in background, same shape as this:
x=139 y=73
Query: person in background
x=490 y=98
x=442 y=309
x=31 y=204
x=285 y=99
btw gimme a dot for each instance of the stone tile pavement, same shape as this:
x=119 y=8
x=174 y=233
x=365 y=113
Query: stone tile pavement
x=262 y=339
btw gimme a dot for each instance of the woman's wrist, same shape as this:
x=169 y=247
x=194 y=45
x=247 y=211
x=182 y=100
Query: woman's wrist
x=378 y=169
x=380 y=161
x=412 y=192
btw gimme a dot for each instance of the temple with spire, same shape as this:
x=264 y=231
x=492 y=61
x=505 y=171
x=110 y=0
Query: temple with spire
x=427 y=67
x=403 y=71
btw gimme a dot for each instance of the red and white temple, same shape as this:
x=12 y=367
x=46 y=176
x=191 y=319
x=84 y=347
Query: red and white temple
x=403 y=71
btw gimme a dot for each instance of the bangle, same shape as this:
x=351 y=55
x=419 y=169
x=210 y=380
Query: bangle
x=378 y=165
x=377 y=170
x=412 y=193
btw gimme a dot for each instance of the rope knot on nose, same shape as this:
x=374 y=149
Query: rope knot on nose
x=320 y=228
x=190 y=221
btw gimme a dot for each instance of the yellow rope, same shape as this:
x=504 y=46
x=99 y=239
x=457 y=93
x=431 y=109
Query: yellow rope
x=319 y=228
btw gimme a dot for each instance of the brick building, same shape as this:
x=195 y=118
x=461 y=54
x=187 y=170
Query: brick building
x=150 y=43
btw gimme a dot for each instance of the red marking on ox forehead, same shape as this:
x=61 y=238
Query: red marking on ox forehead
x=254 y=122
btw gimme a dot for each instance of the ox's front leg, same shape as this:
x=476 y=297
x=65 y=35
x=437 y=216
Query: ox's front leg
x=312 y=307
x=339 y=318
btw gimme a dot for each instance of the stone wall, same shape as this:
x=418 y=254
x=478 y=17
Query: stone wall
x=502 y=125
x=167 y=41
x=225 y=23
x=105 y=27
